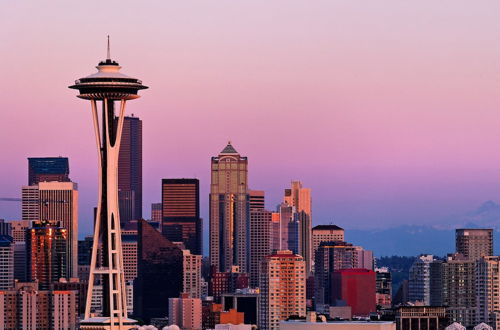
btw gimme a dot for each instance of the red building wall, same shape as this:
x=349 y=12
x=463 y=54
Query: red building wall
x=357 y=288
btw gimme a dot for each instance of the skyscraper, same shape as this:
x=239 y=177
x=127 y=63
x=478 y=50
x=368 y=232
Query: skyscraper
x=30 y=203
x=260 y=231
x=48 y=169
x=59 y=202
x=191 y=274
x=181 y=220
x=130 y=170
x=229 y=210
x=6 y=262
x=474 y=243
x=159 y=273
x=55 y=201
x=419 y=282
x=326 y=233
x=488 y=291
x=459 y=289
x=300 y=199
x=108 y=85
x=330 y=257
x=46 y=248
x=283 y=288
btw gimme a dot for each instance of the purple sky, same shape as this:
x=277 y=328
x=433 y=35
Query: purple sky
x=388 y=110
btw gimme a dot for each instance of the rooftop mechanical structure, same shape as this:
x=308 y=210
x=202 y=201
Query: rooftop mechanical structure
x=107 y=86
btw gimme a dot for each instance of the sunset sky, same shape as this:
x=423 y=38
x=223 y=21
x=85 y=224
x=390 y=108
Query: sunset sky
x=389 y=110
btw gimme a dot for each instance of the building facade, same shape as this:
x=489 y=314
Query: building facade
x=474 y=243
x=46 y=251
x=6 y=262
x=229 y=210
x=488 y=291
x=130 y=171
x=300 y=199
x=185 y=312
x=59 y=202
x=459 y=289
x=47 y=169
x=191 y=274
x=326 y=233
x=181 y=220
x=419 y=282
x=282 y=288
x=356 y=287
x=27 y=307
x=160 y=266
x=260 y=227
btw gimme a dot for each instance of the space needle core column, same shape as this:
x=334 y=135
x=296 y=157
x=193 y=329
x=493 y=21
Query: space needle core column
x=107 y=86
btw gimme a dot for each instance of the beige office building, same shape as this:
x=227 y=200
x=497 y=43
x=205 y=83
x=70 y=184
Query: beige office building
x=326 y=233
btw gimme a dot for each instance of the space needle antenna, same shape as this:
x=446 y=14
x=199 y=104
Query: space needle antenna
x=109 y=51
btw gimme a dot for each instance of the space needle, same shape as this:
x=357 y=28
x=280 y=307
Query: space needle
x=108 y=85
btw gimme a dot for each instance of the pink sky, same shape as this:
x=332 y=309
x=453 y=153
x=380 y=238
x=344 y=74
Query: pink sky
x=388 y=110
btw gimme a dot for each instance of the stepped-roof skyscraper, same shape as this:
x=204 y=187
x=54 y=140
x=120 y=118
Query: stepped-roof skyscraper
x=229 y=210
x=107 y=86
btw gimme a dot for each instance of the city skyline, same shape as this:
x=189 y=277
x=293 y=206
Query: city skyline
x=414 y=149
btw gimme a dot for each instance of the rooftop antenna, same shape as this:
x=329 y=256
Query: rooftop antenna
x=109 y=52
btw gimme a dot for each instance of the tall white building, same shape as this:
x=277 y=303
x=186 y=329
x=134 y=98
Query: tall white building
x=191 y=275
x=419 y=282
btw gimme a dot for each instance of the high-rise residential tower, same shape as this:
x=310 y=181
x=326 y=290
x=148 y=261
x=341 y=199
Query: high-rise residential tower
x=229 y=210
x=283 y=288
x=488 y=291
x=130 y=170
x=108 y=85
x=181 y=220
x=47 y=169
x=420 y=278
x=474 y=243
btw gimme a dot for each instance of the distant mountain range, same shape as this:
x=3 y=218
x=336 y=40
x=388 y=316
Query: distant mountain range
x=412 y=240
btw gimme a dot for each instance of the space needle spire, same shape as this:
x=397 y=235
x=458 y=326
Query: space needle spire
x=105 y=87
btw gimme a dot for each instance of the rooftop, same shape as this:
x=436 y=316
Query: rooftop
x=327 y=227
x=229 y=149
